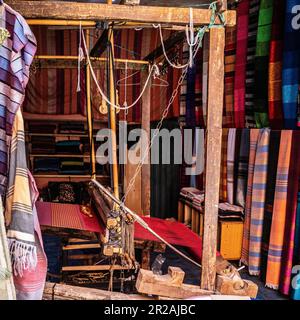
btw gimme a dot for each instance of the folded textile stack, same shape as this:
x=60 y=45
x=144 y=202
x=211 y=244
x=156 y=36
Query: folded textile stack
x=40 y=127
x=189 y=193
x=68 y=146
x=43 y=144
x=230 y=211
x=46 y=165
x=71 y=128
x=72 y=166
x=198 y=201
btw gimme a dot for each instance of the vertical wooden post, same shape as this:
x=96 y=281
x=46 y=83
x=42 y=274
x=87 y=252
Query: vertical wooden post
x=89 y=113
x=146 y=175
x=215 y=94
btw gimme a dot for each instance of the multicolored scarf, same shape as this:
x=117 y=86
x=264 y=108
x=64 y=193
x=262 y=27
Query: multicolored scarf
x=242 y=174
x=258 y=201
x=275 y=66
x=18 y=209
x=230 y=165
x=254 y=135
x=290 y=68
x=290 y=221
x=270 y=192
x=251 y=47
x=223 y=177
x=240 y=63
x=16 y=54
x=279 y=211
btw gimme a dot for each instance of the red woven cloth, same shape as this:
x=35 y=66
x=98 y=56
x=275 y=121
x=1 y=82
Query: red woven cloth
x=69 y=216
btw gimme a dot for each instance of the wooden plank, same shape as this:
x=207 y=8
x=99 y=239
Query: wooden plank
x=104 y=12
x=169 y=285
x=213 y=155
x=81 y=246
x=95 y=268
x=145 y=139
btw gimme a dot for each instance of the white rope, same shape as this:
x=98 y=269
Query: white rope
x=154 y=69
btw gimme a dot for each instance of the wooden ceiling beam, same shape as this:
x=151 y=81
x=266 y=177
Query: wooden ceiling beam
x=105 y=12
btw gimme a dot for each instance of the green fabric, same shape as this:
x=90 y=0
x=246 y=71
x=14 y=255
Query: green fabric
x=264 y=31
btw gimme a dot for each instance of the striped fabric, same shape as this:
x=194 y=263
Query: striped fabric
x=16 y=54
x=258 y=201
x=254 y=134
x=261 y=63
x=275 y=66
x=223 y=177
x=291 y=211
x=270 y=192
x=251 y=46
x=230 y=48
x=18 y=208
x=290 y=68
x=279 y=211
x=240 y=63
x=230 y=165
x=242 y=173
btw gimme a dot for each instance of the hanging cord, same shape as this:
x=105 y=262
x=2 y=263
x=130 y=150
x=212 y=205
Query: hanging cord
x=153 y=70
x=200 y=36
x=140 y=221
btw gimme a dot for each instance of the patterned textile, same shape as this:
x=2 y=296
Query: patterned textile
x=240 y=63
x=290 y=68
x=261 y=63
x=7 y=288
x=270 y=192
x=251 y=46
x=279 y=212
x=18 y=209
x=16 y=54
x=295 y=292
x=223 y=177
x=230 y=165
x=230 y=48
x=291 y=211
x=275 y=66
x=242 y=174
x=254 y=134
x=230 y=211
x=31 y=285
x=258 y=201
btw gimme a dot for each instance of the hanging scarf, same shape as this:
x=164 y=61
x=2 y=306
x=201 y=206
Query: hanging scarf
x=290 y=68
x=254 y=134
x=223 y=177
x=279 y=211
x=230 y=164
x=242 y=174
x=190 y=116
x=270 y=192
x=261 y=63
x=275 y=66
x=240 y=63
x=251 y=46
x=258 y=201
x=290 y=221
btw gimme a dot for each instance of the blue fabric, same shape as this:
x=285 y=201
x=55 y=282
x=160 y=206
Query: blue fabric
x=290 y=70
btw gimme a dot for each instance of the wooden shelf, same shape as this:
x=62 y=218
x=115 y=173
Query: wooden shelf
x=79 y=135
x=67 y=176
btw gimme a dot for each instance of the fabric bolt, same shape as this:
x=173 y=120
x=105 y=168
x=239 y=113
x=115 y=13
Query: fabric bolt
x=242 y=174
x=290 y=68
x=295 y=291
x=279 y=212
x=261 y=63
x=237 y=149
x=230 y=165
x=270 y=192
x=240 y=63
x=254 y=135
x=291 y=211
x=258 y=201
x=18 y=209
x=251 y=48
x=16 y=52
x=223 y=177
x=275 y=66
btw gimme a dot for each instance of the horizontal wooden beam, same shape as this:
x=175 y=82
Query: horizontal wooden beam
x=105 y=12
